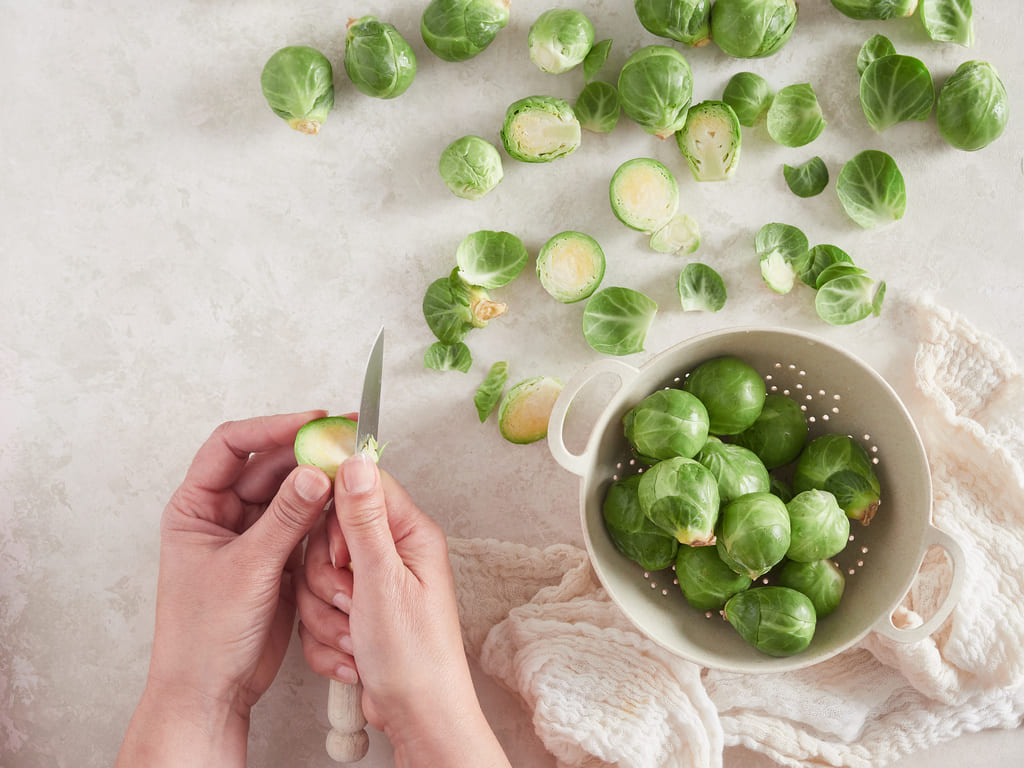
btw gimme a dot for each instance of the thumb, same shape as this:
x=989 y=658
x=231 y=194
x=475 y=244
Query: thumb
x=363 y=514
x=292 y=512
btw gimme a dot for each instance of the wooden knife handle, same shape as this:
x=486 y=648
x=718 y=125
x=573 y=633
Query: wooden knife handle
x=347 y=741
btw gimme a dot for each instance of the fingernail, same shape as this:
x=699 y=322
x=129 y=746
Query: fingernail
x=311 y=484
x=359 y=473
x=343 y=602
x=345 y=644
x=346 y=675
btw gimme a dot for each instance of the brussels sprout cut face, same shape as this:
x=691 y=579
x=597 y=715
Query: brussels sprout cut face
x=325 y=443
x=457 y=30
x=749 y=95
x=748 y=29
x=894 y=89
x=875 y=10
x=776 y=620
x=871 y=189
x=377 y=59
x=821 y=581
x=570 y=266
x=539 y=129
x=972 y=109
x=778 y=434
x=644 y=194
x=298 y=84
x=560 y=39
x=707 y=583
x=655 y=88
x=525 y=410
x=632 y=533
x=710 y=141
x=666 y=424
x=680 y=496
x=754 y=533
x=818 y=527
x=731 y=390
x=686 y=21
x=616 y=320
x=795 y=118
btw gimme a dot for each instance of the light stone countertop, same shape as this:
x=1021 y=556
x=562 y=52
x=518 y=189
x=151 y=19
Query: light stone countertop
x=174 y=256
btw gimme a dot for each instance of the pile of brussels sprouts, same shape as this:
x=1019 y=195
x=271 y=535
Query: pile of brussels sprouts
x=747 y=509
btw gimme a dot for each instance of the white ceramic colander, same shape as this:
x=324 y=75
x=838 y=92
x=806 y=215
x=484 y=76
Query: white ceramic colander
x=839 y=393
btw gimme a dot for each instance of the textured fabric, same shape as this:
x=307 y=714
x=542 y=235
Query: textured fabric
x=601 y=694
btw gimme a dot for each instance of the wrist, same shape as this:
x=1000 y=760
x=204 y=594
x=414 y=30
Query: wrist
x=459 y=738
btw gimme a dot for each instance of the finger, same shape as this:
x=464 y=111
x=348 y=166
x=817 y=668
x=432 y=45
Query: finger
x=325 y=660
x=290 y=515
x=326 y=623
x=263 y=474
x=326 y=581
x=419 y=541
x=336 y=545
x=363 y=515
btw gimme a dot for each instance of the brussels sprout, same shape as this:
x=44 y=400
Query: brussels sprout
x=818 y=527
x=686 y=21
x=632 y=533
x=666 y=424
x=776 y=620
x=972 y=108
x=753 y=533
x=871 y=189
x=737 y=469
x=526 y=409
x=470 y=167
x=377 y=59
x=794 y=117
x=821 y=581
x=680 y=235
x=710 y=141
x=949 y=21
x=749 y=95
x=596 y=59
x=680 y=496
x=849 y=299
x=839 y=269
x=807 y=179
x=325 y=443
x=894 y=89
x=298 y=84
x=452 y=308
x=539 y=129
x=780 y=488
x=488 y=394
x=778 y=434
x=749 y=29
x=781 y=251
x=490 y=259
x=840 y=465
x=560 y=39
x=655 y=88
x=616 y=320
x=875 y=10
x=818 y=259
x=701 y=289
x=597 y=107
x=731 y=390
x=448 y=357
x=875 y=47
x=570 y=266
x=644 y=194
x=457 y=30
x=707 y=583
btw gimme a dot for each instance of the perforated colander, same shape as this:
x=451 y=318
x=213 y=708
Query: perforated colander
x=838 y=394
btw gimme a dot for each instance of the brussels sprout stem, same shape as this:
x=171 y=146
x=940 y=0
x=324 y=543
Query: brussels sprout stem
x=866 y=515
x=485 y=309
x=305 y=125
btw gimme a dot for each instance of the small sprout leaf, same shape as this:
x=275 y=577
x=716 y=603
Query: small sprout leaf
x=949 y=21
x=894 y=89
x=448 y=357
x=871 y=189
x=488 y=394
x=808 y=179
x=819 y=258
x=491 y=259
x=597 y=107
x=680 y=235
x=701 y=288
x=846 y=299
x=596 y=59
x=875 y=47
x=616 y=320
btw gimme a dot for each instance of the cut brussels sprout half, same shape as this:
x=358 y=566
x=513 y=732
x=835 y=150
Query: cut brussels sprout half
x=737 y=469
x=781 y=250
x=489 y=393
x=680 y=235
x=818 y=526
x=298 y=84
x=821 y=581
x=644 y=194
x=539 y=129
x=875 y=47
x=875 y=10
x=848 y=299
x=753 y=533
x=686 y=21
x=794 y=118
x=680 y=496
x=490 y=259
x=560 y=39
x=701 y=289
x=778 y=434
x=597 y=108
x=749 y=29
x=707 y=583
x=949 y=21
x=894 y=89
x=470 y=167
x=378 y=61
x=807 y=179
x=840 y=465
x=731 y=390
x=325 y=443
x=749 y=95
x=448 y=357
x=596 y=59
x=972 y=109
x=526 y=408
x=820 y=258
x=710 y=141
x=632 y=533
x=871 y=189
x=616 y=320
x=570 y=266
x=777 y=621
x=666 y=424
x=457 y=30
x=655 y=88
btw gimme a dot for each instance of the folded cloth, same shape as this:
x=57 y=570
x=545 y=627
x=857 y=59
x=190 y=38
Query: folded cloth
x=601 y=694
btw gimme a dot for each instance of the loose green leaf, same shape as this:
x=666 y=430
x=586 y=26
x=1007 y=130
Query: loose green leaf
x=491 y=259
x=839 y=269
x=808 y=179
x=795 y=117
x=819 y=258
x=749 y=95
x=875 y=10
x=447 y=318
x=874 y=48
x=596 y=58
x=894 y=89
x=448 y=357
x=949 y=21
x=598 y=107
x=488 y=394
x=848 y=299
x=871 y=189
x=701 y=288
x=616 y=320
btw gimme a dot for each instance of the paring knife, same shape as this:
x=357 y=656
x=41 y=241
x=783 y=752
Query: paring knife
x=347 y=741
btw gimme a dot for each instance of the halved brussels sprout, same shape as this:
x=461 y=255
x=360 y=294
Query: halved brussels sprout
x=470 y=167
x=781 y=251
x=448 y=357
x=560 y=39
x=807 y=179
x=488 y=394
x=632 y=533
x=875 y=47
x=821 y=581
x=840 y=465
x=949 y=21
x=701 y=289
x=820 y=258
x=490 y=259
x=452 y=308
x=875 y=10
x=972 y=108
x=849 y=299
x=655 y=88
x=680 y=496
x=539 y=129
x=748 y=29
x=597 y=107
x=794 y=118
x=298 y=84
x=818 y=527
x=731 y=390
x=737 y=469
x=686 y=21
x=710 y=141
x=457 y=30
x=666 y=424
x=776 y=620
x=778 y=434
x=749 y=95
x=753 y=533
x=570 y=266
x=871 y=189
x=894 y=89
x=526 y=409
x=377 y=59
x=616 y=320
x=707 y=583
x=644 y=194
x=325 y=443
x=680 y=235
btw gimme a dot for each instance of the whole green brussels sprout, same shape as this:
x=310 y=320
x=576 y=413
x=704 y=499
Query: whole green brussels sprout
x=680 y=496
x=778 y=434
x=560 y=39
x=655 y=88
x=731 y=390
x=377 y=59
x=632 y=533
x=972 y=108
x=457 y=30
x=875 y=10
x=749 y=29
x=753 y=533
x=840 y=465
x=818 y=527
x=776 y=620
x=665 y=424
x=470 y=167
x=298 y=84
x=686 y=21
x=821 y=581
x=707 y=583
x=737 y=470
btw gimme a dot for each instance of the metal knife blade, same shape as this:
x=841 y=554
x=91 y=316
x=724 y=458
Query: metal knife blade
x=369 y=406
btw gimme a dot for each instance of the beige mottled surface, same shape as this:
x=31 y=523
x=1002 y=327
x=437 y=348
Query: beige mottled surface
x=174 y=256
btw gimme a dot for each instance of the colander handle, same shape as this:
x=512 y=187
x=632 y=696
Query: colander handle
x=577 y=462
x=956 y=553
